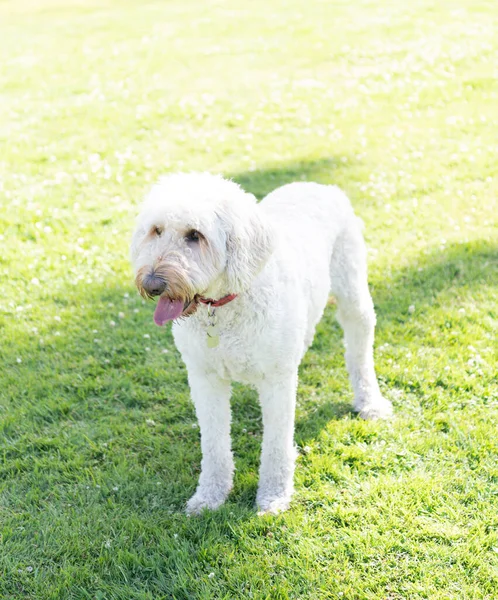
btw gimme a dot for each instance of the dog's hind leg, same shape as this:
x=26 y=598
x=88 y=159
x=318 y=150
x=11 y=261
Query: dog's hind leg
x=355 y=313
x=211 y=397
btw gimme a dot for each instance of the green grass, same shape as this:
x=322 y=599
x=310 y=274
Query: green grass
x=99 y=450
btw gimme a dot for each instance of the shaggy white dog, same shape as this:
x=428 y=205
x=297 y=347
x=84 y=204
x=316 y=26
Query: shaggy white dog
x=246 y=285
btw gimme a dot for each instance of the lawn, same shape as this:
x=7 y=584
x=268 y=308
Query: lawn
x=99 y=447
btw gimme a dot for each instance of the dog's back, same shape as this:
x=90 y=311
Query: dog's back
x=320 y=208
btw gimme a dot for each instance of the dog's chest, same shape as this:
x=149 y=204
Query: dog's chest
x=236 y=353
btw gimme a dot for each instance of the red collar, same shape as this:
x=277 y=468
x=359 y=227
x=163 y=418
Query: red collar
x=220 y=302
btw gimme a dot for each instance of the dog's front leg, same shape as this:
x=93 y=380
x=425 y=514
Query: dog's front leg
x=211 y=397
x=278 y=456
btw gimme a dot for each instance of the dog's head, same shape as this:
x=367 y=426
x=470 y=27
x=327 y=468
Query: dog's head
x=197 y=235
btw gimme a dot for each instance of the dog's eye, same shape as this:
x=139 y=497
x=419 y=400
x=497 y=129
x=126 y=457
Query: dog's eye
x=193 y=236
x=157 y=231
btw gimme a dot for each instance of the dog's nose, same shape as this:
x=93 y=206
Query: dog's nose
x=153 y=285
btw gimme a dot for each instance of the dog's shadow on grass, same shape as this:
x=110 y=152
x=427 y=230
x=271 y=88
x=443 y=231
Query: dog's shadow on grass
x=261 y=182
x=116 y=397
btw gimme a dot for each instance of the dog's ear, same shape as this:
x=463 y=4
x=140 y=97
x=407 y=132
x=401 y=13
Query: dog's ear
x=249 y=242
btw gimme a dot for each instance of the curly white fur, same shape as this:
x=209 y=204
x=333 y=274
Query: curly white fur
x=282 y=257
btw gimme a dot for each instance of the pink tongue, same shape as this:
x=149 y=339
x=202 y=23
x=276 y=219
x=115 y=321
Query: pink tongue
x=167 y=310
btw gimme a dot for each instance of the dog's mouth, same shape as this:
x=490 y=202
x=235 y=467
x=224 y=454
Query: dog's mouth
x=168 y=309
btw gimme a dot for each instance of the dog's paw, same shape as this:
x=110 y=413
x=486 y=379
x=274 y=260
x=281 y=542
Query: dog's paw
x=205 y=499
x=273 y=506
x=378 y=408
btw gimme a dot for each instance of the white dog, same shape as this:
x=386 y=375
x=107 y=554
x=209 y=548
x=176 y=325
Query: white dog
x=246 y=285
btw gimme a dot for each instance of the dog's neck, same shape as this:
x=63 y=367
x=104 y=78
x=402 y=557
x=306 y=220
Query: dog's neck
x=218 y=288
